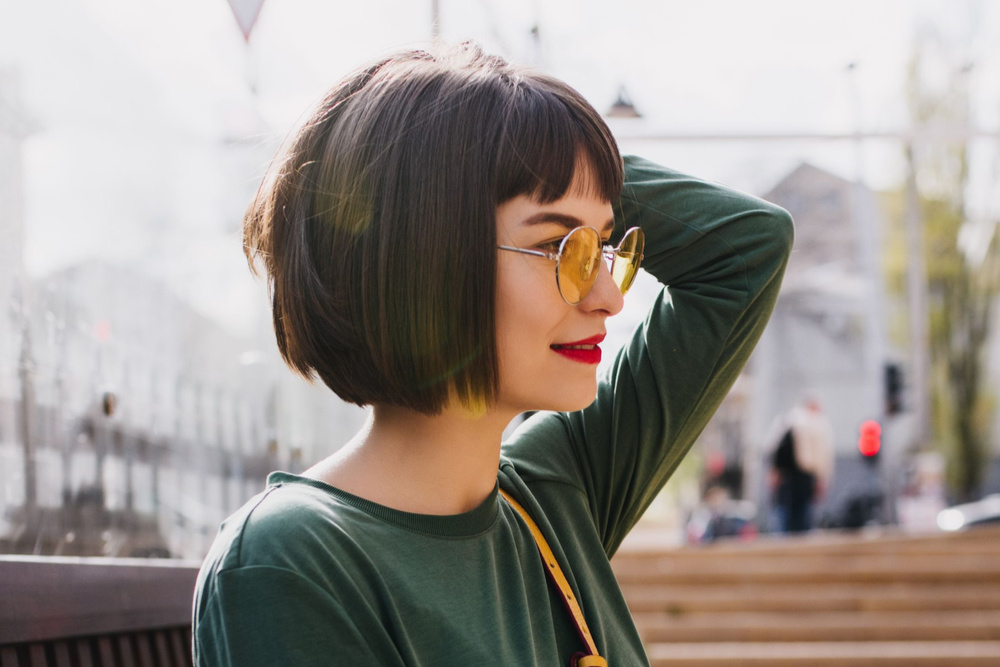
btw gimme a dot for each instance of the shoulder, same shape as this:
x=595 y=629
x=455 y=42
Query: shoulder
x=293 y=525
x=295 y=546
x=283 y=578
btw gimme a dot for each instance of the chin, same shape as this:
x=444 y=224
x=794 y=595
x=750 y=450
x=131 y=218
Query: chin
x=571 y=399
x=542 y=391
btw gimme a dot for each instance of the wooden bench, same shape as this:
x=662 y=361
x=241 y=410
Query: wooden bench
x=95 y=612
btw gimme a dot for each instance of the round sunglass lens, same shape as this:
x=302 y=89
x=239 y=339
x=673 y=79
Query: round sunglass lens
x=579 y=257
x=627 y=259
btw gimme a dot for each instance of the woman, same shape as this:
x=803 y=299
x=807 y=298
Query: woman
x=433 y=240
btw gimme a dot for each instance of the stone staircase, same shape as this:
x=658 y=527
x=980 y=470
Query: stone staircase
x=822 y=599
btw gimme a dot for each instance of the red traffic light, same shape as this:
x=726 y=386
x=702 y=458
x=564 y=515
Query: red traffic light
x=870 y=440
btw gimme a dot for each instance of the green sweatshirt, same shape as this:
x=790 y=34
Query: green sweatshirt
x=308 y=575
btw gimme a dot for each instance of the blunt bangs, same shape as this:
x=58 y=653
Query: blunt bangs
x=551 y=131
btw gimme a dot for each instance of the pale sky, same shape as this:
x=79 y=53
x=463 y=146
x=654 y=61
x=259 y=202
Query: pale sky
x=148 y=142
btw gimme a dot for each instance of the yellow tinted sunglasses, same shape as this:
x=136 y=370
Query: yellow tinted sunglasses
x=578 y=257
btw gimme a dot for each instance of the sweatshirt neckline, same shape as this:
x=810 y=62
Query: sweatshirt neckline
x=467 y=524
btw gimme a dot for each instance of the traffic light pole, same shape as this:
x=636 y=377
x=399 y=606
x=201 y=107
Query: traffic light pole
x=916 y=288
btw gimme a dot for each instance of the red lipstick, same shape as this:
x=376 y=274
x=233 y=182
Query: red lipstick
x=585 y=351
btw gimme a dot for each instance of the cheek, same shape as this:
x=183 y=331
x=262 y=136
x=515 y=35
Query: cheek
x=531 y=315
x=527 y=297
x=525 y=312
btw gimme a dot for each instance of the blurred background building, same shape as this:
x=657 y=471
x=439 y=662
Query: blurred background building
x=141 y=395
x=827 y=337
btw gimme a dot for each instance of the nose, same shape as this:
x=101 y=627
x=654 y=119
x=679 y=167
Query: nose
x=604 y=295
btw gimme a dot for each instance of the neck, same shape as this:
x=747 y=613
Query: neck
x=427 y=464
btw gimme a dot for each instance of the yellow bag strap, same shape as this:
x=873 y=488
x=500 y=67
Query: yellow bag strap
x=559 y=579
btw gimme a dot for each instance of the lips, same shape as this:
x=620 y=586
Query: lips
x=585 y=351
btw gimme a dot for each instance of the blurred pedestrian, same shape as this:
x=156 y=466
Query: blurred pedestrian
x=720 y=516
x=801 y=466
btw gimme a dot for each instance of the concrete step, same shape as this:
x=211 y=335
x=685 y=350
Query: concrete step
x=645 y=540
x=874 y=567
x=827 y=654
x=819 y=627
x=824 y=599
x=809 y=598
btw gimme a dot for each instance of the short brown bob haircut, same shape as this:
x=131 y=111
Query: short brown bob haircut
x=377 y=224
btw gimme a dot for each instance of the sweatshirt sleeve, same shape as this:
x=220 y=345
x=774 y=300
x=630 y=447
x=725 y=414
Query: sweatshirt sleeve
x=720 y=256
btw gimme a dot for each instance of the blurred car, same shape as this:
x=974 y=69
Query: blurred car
x=957 y=517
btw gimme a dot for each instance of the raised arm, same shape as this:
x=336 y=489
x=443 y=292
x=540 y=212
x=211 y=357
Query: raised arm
x=721 y=255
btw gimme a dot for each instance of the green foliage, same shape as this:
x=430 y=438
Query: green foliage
x=961 y=286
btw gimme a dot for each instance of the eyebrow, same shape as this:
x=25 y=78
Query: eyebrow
x=567 y=221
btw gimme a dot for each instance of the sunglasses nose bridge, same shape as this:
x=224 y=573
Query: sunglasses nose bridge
x=609 y=255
